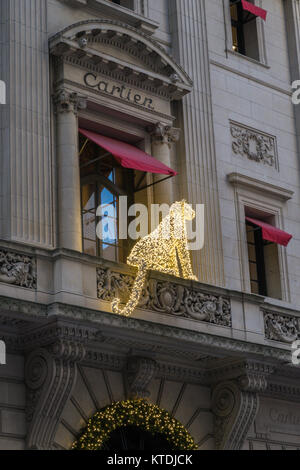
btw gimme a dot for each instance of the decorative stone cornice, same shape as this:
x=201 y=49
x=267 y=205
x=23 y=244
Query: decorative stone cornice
x=250 y=374
x=66 y=101
x=137 y=18
x=193 y=343
x=58 y=335
x=280 y=327
x=158 y=70
x=284 y=391
x=138 y=375
x=260 y=186
x=163 y=134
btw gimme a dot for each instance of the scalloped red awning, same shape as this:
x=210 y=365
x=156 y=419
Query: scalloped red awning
x=257 y=11
x=129 y=156
x=270 y=233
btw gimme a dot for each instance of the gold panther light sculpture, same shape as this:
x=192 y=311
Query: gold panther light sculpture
x=164 y=250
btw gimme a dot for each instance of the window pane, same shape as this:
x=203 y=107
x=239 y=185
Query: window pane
x=253 y=272
x=233 y=10
x=106 y=196
x=89 y=225
x=250 y=234
x=109 y=233
x=252 y=254
x=110 y=252
x=254 y=288
x=88 y=196
x=89 y=247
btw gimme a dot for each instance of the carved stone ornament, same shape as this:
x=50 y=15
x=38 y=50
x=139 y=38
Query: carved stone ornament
x=66 y=101
x=138 y=375
x=50 y=374
x=18 y=269
x=281 y=328
x=166 y=297
x=164 y=134
x=235 y=404
x=254 y=145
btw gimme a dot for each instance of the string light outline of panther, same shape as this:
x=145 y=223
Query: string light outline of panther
x=169 y=240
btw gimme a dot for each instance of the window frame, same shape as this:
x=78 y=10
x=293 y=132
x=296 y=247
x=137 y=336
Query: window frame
x=261 y=196
x=99 y=243
x=259 y=262
x=262 y=52
x=120 y=126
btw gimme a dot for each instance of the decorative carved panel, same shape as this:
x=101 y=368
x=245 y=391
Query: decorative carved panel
x=166 y=297
x=17 y=269
x=254 y=145
x=281 y=328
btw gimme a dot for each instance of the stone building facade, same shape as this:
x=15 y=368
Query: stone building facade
x=209 y=95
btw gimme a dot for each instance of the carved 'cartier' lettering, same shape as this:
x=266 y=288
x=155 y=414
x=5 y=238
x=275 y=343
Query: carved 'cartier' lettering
x=92 y=81
x=148 y=103
x=88 y=80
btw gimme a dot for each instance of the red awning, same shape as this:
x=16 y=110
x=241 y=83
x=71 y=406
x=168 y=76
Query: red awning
x=272 y=234
x=257 y=11
x=129 y=156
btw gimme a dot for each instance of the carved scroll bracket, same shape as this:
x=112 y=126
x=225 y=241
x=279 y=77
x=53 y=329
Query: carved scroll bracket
x=50 y=374
x=235 y=404
x=138 y=374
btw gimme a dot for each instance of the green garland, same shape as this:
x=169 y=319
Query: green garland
x=133 y=413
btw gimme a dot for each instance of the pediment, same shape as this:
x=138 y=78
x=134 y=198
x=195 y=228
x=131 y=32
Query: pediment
x=124 y=52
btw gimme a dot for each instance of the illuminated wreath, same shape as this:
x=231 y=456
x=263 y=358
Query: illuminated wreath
x=138 y=413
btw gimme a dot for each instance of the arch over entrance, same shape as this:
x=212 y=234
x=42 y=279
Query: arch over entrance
x=85 y=35
x=118 y=425
x=124 y=52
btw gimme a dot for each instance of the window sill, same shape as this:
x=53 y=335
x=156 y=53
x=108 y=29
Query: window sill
x=118 y=13
x=249 y=59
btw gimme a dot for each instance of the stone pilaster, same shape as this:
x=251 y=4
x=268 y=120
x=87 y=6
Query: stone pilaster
x=26 y=169
x=197 y=152
x=69 y=206
x=162 y=138
x=292 y=14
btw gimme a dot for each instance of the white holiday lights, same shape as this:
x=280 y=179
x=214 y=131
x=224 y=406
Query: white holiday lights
x=164 y=250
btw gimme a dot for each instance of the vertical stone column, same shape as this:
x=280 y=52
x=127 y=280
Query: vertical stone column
x=26 y=170
x=292 y=14
x=69 y=205
x=198 y=154
x=162 y=138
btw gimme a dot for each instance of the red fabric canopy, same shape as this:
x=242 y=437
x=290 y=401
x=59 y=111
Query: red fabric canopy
x=257 y=11
x=272 y=234
x=129 y=156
